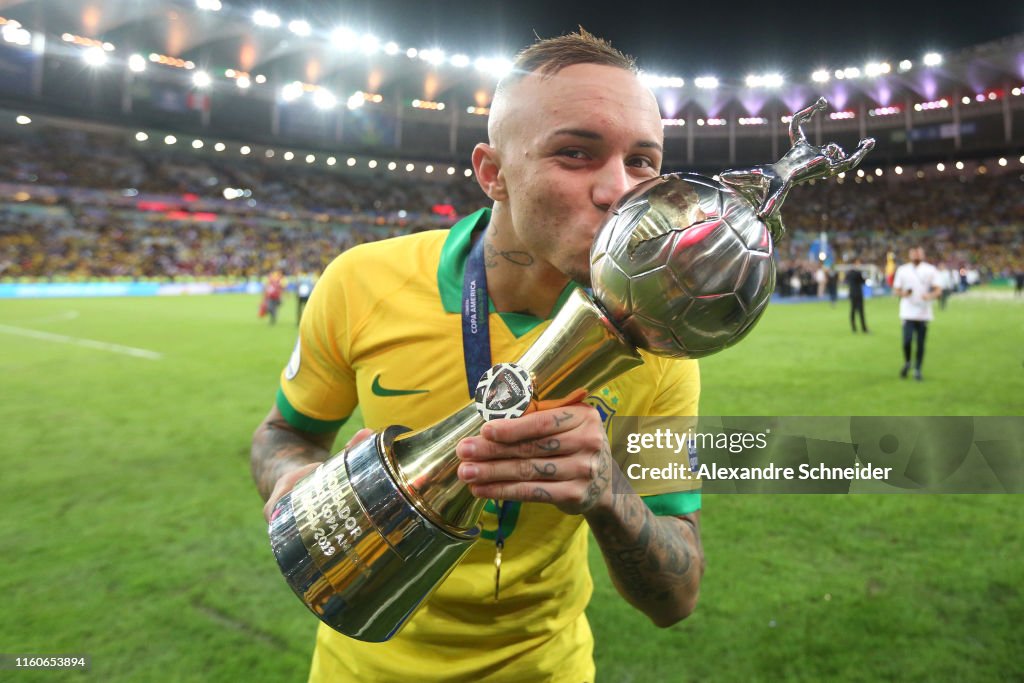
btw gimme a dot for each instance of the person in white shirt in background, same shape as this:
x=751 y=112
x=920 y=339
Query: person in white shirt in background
x=917 y=285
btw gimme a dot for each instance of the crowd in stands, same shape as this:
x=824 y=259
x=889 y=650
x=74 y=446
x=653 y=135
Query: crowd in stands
x=78 y=205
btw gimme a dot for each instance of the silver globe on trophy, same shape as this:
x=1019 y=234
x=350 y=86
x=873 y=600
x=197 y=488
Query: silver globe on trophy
x=682 y=266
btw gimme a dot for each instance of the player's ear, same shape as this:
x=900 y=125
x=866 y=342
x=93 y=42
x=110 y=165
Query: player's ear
x=487 y=167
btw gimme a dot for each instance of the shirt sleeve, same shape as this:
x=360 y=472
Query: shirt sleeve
x=318 y=389
x=675 y=408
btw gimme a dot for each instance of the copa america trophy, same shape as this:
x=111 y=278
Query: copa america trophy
x=682 y=266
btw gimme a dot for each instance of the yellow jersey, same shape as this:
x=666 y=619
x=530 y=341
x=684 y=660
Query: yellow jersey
x=383 y=330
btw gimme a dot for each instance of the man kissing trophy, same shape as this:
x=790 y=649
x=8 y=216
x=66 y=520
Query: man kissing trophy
x=682 y=266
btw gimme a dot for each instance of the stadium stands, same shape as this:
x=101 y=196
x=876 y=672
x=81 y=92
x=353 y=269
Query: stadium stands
x=85 y=205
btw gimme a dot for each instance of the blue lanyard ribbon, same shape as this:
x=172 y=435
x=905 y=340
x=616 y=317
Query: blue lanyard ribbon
x=476 y=335
x=476 y=339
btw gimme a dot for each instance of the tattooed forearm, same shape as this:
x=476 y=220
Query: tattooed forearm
x=276 y=449
x=656 y=563
x=518 y=258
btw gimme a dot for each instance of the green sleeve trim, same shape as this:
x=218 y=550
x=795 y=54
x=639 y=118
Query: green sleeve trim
x=304 y=422
x=674 y=504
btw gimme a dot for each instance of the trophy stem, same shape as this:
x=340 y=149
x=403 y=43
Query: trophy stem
x=580 y=348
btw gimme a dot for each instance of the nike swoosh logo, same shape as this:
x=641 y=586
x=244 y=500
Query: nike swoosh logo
x=381 y=391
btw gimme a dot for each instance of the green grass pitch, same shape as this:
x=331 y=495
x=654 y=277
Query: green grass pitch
x=131 y=530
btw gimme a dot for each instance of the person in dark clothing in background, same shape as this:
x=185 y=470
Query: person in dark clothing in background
x=855 y=281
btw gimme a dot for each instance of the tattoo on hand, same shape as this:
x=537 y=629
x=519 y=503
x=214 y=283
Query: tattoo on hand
x=599 y=476
x=559 y=419
x=518 y=258
x=549 y=445
x=548 y=470
x=541 y=495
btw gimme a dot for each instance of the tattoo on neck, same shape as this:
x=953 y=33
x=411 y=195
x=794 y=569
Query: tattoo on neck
x=517 y=258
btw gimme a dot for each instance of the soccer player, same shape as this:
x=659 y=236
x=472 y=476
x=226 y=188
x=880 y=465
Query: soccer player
x=916 y=284
x=571 y=129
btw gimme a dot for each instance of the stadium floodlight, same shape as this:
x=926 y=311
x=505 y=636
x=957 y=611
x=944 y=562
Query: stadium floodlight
x=878 y=172
x=201 y=79
x=906 y=65
x=898 y=170
x=260 y=78
x=331 y=161
x=356 y=100
x=220 y=147
x=860 y=172
x=22 y=120
x=1021 y=159
x=310 y=158
x=137 y=63
x=874 y=69
x=820 y=76
x=372 y=163
x=391 y=48
x=499 y=67
x=656 y=81
x=351 y=161
x=209 y=5
x=343 y=38
x=932 y=59
x=434 y=56
x=411 y=53
x=959 y=165
x=965 y=99
x=451 y=170
x=706 y=82
x=392 y=166
x=369 y=43
x=141 y=136
x=13 y=32
x=269 y=154
x=245 y=149
x=324 y=99
x=94 y=56
x=468 y=172
x=851 y=72
x=243 y=82
x=409 y=168
x=1016 y=92
x=292 y=91
x=770 y=80
x=262 y=17
x=170 y=139
x=940 y=167
x=289 y=155
x=300 y=27
x=197 y=144
x=459 y=61
x=429 y=168
x=842 y=175
x=1002 y=161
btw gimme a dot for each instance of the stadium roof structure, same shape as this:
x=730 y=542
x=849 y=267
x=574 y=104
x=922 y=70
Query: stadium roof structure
x=210 y=68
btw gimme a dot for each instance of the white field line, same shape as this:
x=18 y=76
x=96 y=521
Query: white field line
x=79 y=341
x=66 y=315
